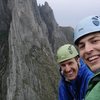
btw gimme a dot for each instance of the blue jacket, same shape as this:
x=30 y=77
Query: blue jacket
x=76 y=89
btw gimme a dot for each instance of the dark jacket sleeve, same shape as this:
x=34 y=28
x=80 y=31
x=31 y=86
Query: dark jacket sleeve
x=85 y=74
x=63 y=92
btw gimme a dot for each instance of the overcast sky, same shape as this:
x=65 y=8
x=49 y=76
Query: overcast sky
x=70 y=12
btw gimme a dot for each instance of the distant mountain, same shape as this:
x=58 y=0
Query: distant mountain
x=29 y=38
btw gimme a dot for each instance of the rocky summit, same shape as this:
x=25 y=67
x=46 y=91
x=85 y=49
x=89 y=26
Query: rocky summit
x=29 y=38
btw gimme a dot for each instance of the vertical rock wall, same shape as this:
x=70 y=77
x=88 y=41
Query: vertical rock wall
x=28 y=43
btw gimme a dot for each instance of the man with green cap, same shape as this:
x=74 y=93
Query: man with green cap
x=87 y=39
x=75 y=75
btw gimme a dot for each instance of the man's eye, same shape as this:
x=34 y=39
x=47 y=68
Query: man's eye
x=81 y=46
x=94 y=41
x=63 y=65
x=70 y=63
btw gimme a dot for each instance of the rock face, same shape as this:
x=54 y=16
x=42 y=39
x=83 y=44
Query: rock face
x=29 y=38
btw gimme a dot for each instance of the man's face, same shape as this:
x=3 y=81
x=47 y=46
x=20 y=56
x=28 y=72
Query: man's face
x=89 y=48
x=70 y=68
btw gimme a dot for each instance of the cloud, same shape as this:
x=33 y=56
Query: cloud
x=70 y=12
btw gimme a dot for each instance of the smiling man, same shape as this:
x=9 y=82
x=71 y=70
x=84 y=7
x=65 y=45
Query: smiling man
x=87 y=39
x=75 y=75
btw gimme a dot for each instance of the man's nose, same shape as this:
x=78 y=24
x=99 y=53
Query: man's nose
x=88 y=48
x=67 y=68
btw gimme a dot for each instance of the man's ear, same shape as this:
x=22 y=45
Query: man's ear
x=78 y=61
x=61 y=72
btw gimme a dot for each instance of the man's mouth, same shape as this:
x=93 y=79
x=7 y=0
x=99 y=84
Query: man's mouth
x=70 y=73
x=93 y=59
